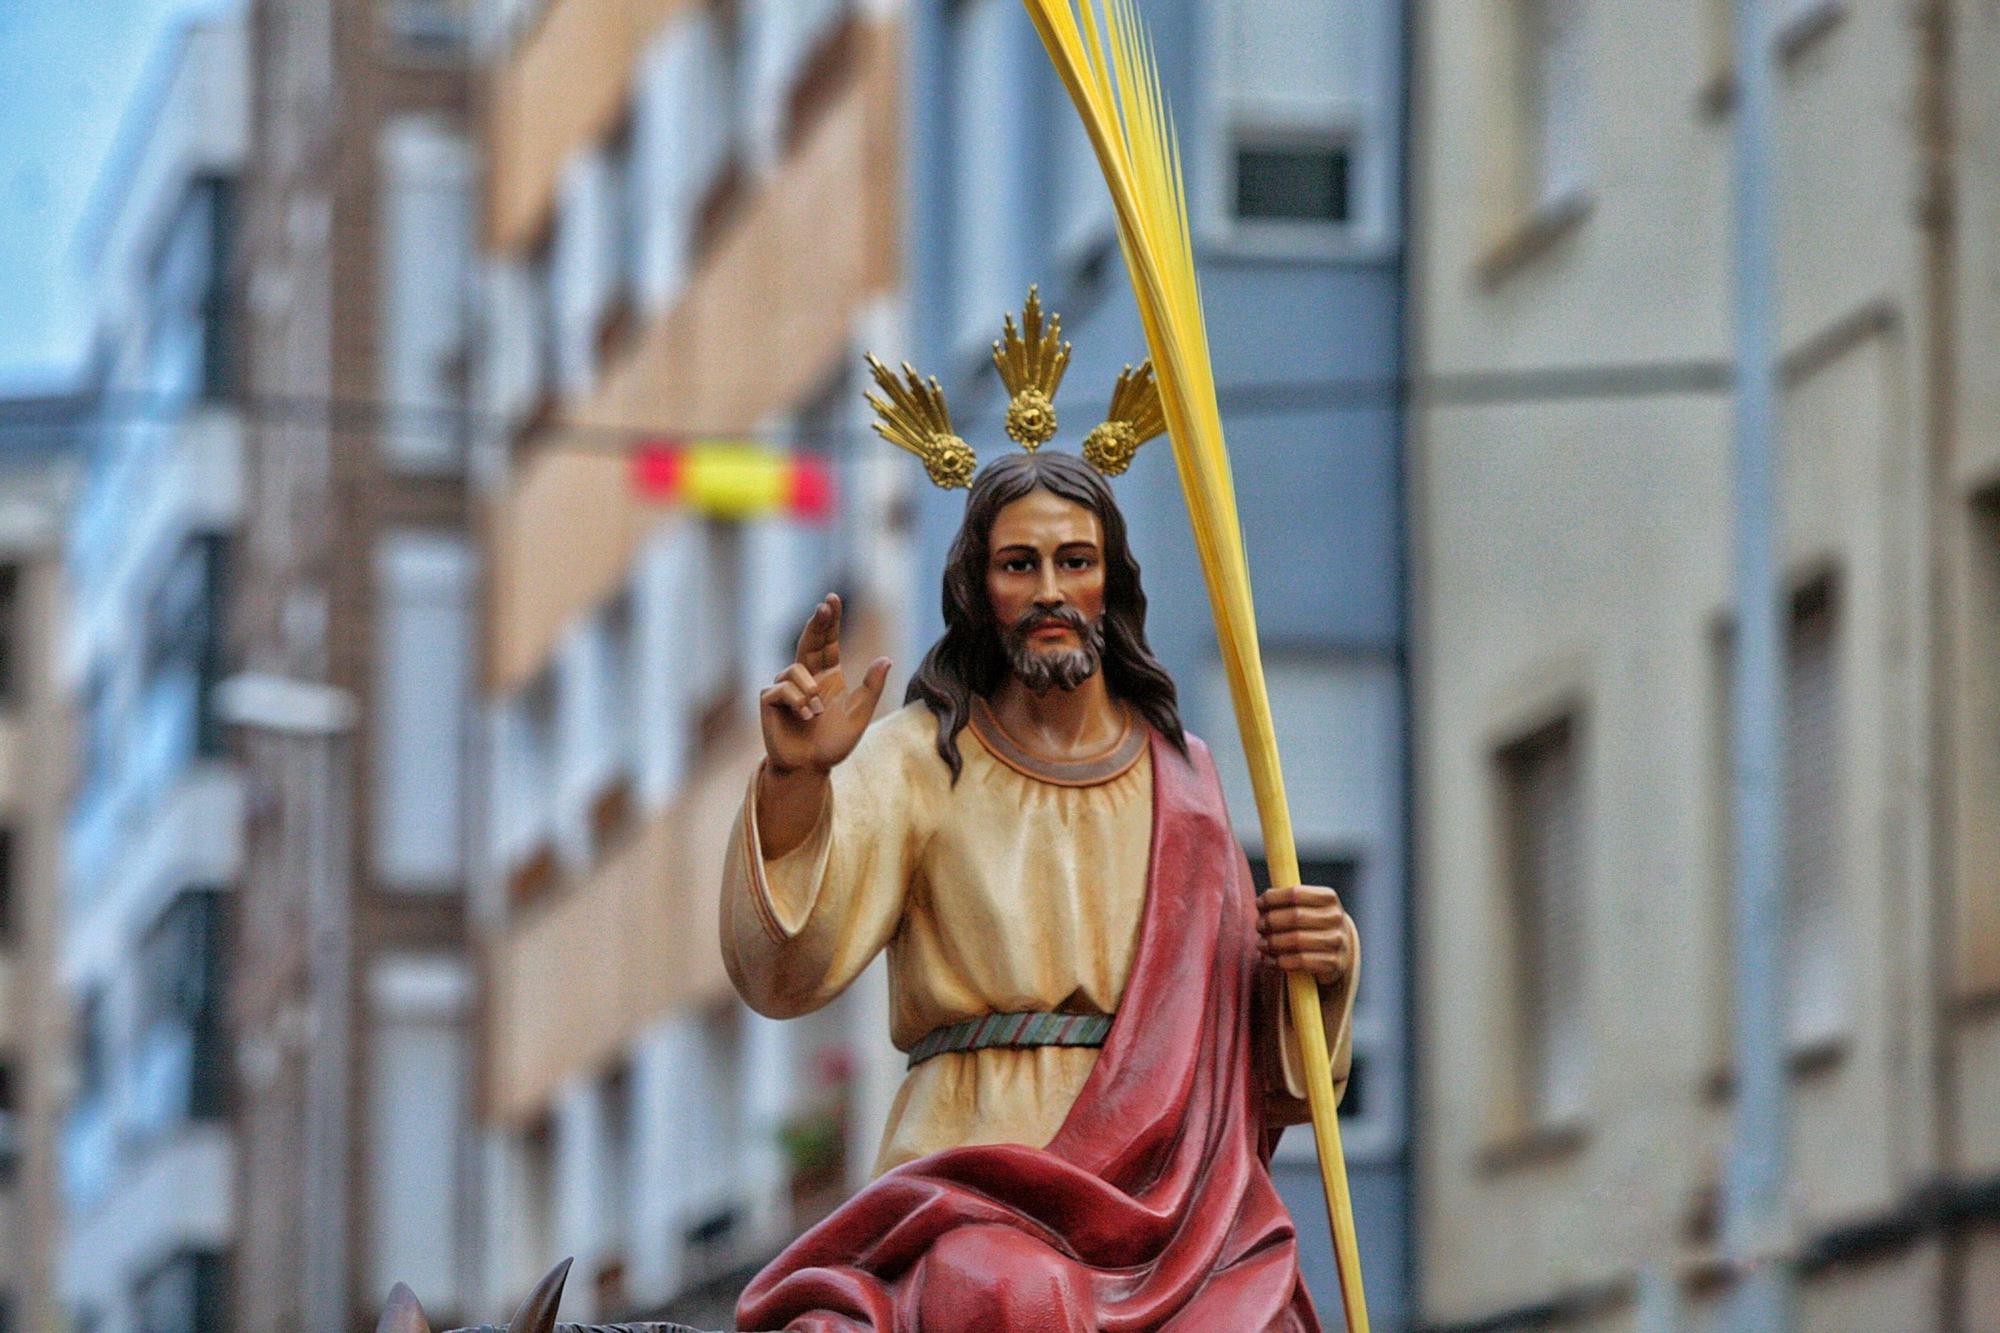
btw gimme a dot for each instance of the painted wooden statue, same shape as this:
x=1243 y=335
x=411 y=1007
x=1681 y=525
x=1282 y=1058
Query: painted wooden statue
x=1098 y=1010
x=1085 y=982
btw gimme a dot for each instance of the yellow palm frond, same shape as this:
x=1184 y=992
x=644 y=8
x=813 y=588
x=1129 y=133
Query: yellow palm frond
x=1105 y=58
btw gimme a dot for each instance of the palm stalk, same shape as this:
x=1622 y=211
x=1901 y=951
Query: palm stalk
x=1106 y=61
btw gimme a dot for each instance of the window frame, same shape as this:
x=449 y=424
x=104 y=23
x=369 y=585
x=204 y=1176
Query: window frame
x=1810 y=1047
x=1367 y=124
x=1537 y=1066
x=1527 y=212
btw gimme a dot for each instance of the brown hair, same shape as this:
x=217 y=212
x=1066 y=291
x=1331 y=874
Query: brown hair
x=970 y=660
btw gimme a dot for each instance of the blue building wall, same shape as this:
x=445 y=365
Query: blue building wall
x=1307 y=349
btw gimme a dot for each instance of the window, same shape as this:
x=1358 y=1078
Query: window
x=1550 y=112
x=89 y=1133
x=619 y=1172
x=535 y=1219
x=183 y=1295
x=1976 y=757
x=422 y=695
x=545 y=332
x=622 y=235
x=429 y=29
x=10 y=633
x=595 y=742
x=1815 y=895
x=93 y=1055
x=827 y=43
x=190 y=343
x=10 y=1127
x=428 y=228
x=8 y=882
x=715 y=653
x=524 y=814
x=1813 y=881
x=585 y=269
x=183 y=644
x=1544 y=862
x=1296 y=183
x=721 y=142
x=417 y=1095
x=1305 y=123
x=1342 y=874
x=663 y=717
x=496 y=25
x=179 y=1056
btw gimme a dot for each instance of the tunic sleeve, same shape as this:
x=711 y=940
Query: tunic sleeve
x=1285 y=1076
x=796 y=930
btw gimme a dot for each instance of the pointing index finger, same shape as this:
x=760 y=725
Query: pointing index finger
x=819 y=644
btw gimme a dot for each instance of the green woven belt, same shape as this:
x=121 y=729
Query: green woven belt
x=1017 y=1030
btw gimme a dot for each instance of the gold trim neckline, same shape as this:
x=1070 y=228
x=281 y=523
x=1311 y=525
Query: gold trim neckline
x=1113 y=763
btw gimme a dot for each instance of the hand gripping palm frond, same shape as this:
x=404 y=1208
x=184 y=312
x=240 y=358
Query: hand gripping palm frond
x=1105 y=59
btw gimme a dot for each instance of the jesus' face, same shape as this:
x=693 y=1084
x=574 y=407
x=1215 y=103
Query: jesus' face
x=1045 y=583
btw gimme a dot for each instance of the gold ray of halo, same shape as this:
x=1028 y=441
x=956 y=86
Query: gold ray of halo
x=913 y=416
x=1135 y=417
x=1031 y=361
x=1107 y=65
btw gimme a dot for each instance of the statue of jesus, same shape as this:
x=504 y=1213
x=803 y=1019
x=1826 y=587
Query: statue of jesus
x=1088 y=987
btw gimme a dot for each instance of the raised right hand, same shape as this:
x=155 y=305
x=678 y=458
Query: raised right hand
x=811 y=719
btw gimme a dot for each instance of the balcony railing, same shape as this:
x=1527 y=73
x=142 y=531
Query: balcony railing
x=563 y=87
x=763 y=321
x=582 y=976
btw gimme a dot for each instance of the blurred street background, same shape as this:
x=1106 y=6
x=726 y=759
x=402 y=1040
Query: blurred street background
x=425 y=424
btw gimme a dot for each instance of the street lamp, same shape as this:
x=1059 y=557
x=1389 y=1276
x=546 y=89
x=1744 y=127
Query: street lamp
x=312 y=722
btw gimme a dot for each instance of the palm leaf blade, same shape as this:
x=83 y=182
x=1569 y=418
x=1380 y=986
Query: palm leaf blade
x=1108 y=65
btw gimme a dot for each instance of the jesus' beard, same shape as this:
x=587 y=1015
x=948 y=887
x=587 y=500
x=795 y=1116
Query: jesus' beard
x=1041 y=670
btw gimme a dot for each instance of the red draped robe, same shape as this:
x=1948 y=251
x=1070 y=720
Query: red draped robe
x=1152 y=1208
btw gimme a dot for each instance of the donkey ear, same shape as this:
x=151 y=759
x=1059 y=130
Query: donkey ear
x=538 y=1313
x=403 y=1314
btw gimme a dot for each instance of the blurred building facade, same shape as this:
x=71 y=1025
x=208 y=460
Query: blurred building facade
x=351 y=642
x=689 y=232
x=39 y=436
x=1572 y=438
x=153 y=850
x=1291 y=121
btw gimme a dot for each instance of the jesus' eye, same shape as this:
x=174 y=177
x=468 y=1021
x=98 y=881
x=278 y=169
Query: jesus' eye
x=1018 y=564
x=1078 y=563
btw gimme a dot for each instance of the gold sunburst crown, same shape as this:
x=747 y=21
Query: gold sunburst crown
x=1032 y=358
x=1031 y=361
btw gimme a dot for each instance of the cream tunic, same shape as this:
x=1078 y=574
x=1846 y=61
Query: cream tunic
x=1004 y=893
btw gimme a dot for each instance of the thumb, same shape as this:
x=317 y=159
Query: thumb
x=870 y=692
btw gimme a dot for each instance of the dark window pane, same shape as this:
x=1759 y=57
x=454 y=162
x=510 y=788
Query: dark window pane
x=183 y=1295
x=1342 y=874
x=218 y=312
x=179 y=1068
x=1354 y=1102
x=10 y=1129
x=1307 y=184
x=10 y=614
x=7 y=880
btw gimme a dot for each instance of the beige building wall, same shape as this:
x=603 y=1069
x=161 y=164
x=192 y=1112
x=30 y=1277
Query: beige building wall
x=35 y=777
x=1573 y=539
x=635 y=1113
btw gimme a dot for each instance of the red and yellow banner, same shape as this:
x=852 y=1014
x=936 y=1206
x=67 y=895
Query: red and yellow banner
x=734 y=479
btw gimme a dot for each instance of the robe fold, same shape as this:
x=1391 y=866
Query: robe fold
x=1152 y=1206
